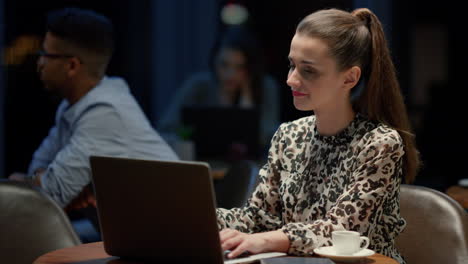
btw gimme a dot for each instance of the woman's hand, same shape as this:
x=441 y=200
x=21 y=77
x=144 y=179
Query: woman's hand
x=239 y=242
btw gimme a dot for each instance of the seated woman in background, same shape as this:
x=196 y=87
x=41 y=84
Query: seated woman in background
x=341 y=168
x=237 y=79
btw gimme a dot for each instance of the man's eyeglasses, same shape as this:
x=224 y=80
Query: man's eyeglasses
x=44 y=53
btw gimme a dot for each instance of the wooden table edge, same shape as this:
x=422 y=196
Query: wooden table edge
x=95 y=251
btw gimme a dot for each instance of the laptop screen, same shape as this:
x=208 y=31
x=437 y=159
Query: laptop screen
x=223 y=132
x=158 y=210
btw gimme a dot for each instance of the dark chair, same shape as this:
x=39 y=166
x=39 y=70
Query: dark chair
x=237 y=185
x=436 y=230
x=31 y=224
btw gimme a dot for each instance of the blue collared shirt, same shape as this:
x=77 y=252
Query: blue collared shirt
x=107 y=121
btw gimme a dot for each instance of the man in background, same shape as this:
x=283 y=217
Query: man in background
x=97 y=116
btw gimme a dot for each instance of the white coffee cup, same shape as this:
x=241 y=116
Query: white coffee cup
x=348 y=242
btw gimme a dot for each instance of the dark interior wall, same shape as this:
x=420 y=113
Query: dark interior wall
x=183 y=35
x=29 y=111
x=440 y=134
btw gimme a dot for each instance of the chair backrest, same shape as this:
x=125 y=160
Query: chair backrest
x=31 y=224
x=436 y=230
x=237 y=185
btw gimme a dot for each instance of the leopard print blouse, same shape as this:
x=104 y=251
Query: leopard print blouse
x=314 y=184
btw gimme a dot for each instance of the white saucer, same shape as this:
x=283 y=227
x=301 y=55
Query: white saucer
x=329 y=252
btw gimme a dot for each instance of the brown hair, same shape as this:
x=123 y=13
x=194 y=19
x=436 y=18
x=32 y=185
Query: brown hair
x=357 y=39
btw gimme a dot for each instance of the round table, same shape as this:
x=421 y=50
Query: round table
x=93 y=253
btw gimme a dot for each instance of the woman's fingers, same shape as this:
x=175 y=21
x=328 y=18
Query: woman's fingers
x=233 y=242
x=226 y=234
x=240 y=243
x=241 y=249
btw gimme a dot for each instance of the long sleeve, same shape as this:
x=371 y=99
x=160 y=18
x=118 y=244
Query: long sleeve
x=46 y=152
x=50 y=146
x=263 y=210
x=361 y=205
x=69 y=172
x=107 y=121
x=315 y=184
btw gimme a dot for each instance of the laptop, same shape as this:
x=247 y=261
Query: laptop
x=161 y=211
x=216 y=129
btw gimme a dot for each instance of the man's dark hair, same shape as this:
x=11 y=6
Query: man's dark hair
x=83 y=29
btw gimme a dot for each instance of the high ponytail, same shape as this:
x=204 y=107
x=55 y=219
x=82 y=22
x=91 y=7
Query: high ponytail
x=382 y=100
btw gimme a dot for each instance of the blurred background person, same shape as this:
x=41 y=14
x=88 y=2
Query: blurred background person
x=237 y=79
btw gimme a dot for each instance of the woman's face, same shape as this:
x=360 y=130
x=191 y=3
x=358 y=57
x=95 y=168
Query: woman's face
x=231 y=67
x=313 y=76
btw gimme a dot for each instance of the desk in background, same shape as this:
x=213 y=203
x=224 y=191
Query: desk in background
x=93 y=253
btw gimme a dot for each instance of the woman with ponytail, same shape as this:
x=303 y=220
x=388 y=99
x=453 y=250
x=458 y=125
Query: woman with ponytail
x=340 y=168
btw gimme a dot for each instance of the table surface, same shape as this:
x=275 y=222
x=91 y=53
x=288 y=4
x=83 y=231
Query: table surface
x=93 y=253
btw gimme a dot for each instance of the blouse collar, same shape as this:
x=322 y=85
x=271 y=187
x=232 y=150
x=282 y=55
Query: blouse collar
x=344 y=136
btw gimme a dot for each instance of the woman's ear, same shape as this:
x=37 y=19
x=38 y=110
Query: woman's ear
x=352 y=76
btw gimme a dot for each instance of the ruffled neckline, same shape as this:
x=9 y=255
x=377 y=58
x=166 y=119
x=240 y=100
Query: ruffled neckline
x=344 y=136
